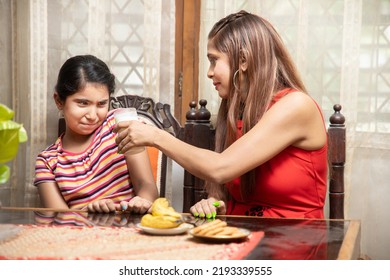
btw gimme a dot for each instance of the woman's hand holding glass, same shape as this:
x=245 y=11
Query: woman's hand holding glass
x=131 y=134
x=124 y=115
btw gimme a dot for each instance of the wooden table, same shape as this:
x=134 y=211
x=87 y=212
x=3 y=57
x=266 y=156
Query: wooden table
x=283 y=239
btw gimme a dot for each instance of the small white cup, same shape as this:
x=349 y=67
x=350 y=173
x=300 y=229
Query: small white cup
x=128 y=114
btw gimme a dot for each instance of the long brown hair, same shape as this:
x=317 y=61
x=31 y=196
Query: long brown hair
x=247 y=37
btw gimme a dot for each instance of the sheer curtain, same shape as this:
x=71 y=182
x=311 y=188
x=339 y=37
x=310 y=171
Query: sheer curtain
x=342 y=49
x=41 y=34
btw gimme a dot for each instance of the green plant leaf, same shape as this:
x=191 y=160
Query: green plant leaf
x=11 y=134
x=4 y=174
x=22 y=135
x=9 y=140
x=5 y=113
x=9 y=125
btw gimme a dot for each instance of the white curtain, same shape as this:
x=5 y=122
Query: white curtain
x=342 y=49
x=39 y=35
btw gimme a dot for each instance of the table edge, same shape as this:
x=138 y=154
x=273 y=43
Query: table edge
x=350 y=248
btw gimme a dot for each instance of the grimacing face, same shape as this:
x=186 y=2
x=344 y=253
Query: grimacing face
x=85 y=110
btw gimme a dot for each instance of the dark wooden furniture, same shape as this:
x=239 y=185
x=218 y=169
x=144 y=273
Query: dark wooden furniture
x=297 y=239
x=198 y=131
x=158 y=113
x=336 y=158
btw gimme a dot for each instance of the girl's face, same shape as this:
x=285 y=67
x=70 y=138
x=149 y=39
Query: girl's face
x=219 y=70
x=85 y=110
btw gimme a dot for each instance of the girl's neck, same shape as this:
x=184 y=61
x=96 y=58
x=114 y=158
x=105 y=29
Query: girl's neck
x=76 y=143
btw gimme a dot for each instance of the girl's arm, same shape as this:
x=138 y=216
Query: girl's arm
x=143 y=182
x=51 y=196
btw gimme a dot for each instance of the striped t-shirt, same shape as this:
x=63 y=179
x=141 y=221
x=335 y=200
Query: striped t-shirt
x=97 y=173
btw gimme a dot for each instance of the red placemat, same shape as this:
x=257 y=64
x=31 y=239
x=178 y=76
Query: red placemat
x=112 y=243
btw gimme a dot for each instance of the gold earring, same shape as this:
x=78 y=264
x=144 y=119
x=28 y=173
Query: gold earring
x=234 y=80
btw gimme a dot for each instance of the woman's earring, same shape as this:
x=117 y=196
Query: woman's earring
x=234 y=80
x=60 y=114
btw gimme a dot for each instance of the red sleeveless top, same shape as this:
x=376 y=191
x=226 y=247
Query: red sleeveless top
x=293 y=184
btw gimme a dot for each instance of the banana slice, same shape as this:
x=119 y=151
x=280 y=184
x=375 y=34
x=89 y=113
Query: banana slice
x=149 y=220
x=162 y=216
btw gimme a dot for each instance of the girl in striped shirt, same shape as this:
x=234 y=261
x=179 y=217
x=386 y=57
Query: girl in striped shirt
x=83 y=169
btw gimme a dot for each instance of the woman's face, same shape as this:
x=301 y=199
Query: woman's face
x=85 y=110
x=219 y=70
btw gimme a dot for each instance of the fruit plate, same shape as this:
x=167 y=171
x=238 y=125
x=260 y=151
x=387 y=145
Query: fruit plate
x=166 y=231
x=244 y=233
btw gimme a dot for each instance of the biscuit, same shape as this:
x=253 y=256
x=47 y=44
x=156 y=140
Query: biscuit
x=228 y=231
x=206 y=225
x=217 y=228
x=211 y=231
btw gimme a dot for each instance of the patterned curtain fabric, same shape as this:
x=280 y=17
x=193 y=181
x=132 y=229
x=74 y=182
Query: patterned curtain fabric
x=342 y=49
x=39 y=35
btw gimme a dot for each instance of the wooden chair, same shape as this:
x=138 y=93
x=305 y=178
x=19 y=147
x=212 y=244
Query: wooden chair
x=336 y=158
x=198 y=131
x=157 y=114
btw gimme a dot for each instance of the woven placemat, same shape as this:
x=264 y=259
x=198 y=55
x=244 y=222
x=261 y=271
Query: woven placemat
x=112 y=243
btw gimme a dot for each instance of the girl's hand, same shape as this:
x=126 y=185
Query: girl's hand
x=102 y=219
x=102 y=206
x=208 y=208
x=137 y=205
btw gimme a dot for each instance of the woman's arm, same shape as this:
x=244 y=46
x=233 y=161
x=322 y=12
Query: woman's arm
x=294 y=120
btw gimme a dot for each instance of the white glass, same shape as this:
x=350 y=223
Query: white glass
x=128 y=114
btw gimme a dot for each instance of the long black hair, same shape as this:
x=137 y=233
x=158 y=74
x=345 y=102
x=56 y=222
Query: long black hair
x=82 y=69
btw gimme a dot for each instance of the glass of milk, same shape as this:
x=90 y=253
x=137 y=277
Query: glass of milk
x=128 y=114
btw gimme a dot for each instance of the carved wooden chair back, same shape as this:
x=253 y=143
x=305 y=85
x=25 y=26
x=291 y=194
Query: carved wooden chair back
x=198 y=131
